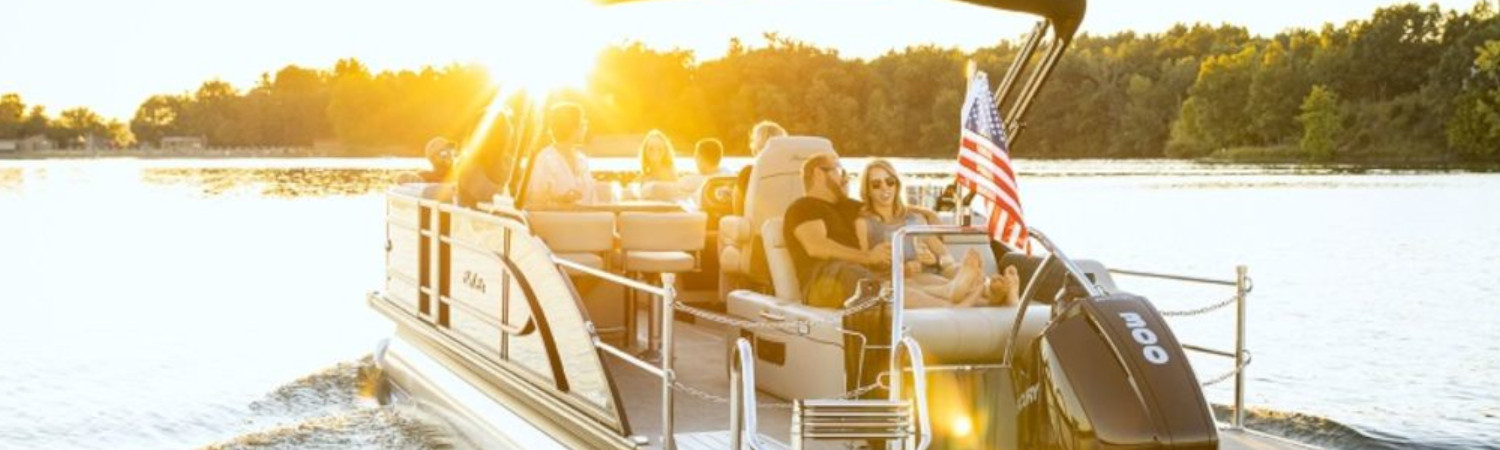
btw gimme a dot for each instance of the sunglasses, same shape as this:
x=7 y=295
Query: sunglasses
x=884 y=183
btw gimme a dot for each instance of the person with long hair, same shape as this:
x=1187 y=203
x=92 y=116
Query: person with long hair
x=759 y=134
x=658 y=180
x=933 y=277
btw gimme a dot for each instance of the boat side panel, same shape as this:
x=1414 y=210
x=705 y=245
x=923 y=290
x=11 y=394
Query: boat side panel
x=533 y=268
x=402 y=251
x=502 y=298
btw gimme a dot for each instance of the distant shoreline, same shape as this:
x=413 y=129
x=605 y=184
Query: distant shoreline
x=1233 y=158
x=209 y=153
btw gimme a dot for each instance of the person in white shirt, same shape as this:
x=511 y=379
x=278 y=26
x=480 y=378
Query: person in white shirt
x=560 y=175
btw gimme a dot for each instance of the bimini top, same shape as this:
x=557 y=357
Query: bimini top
x=1066 y=15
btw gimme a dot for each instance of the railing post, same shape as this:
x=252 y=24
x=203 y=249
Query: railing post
x=1241 y=287
x=669 y=286
x=736 y=420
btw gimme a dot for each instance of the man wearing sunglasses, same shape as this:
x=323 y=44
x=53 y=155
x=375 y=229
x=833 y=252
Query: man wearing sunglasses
x=819 y=228
x=441 y=153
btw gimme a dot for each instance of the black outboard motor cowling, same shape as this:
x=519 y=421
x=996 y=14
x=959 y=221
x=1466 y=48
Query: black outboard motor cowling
x=1109 y=374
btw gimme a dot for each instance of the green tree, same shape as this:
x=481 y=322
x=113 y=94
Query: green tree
x=1474 y=129
x=1276 y=90
x=12 y=115
x=76 y=126
x=157 y=117
x=1214 y=116
x=1321 y=124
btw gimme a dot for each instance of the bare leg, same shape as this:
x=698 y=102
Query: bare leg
x=917 y=297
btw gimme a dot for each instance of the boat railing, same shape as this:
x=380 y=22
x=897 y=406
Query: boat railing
x=909 y=346
x=663 y=369
x=1242 y=286
x=742 y=403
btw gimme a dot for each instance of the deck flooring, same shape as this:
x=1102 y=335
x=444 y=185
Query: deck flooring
x=702 y=351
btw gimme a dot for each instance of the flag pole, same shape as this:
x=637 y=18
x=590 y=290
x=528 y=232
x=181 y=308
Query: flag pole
x=961 y=216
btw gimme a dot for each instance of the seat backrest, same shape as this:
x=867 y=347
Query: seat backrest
x=776 y=177
x=776 y=181
x=663 y=231
x=574 y=231
x=779 y=262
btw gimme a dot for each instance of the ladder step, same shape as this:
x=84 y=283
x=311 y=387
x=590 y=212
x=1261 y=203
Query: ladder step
x=893 y=415
x=821 y=403
x=833 y=436
x=840 y=425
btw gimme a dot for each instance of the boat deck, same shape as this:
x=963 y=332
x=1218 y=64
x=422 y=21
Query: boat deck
x=702 y=351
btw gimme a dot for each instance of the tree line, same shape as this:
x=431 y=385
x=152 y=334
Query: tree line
x=1410 y=83
x=71 y=128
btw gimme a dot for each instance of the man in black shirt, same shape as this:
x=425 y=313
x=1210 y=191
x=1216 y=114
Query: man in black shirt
x=819 y=231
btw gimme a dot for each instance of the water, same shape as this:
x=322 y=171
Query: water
x=180 y=304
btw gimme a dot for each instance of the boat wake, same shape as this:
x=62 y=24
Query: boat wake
x=335 y=408
x=1327 y=433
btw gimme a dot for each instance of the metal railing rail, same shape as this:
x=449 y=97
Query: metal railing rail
x=743 y=430
x=1242 y=287
x=663 y=370
x=1241 y=283
x=919 y=388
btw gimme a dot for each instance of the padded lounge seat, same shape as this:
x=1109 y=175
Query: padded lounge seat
x=581 y=237
x=660 y=262
x=948 y=335
x=775 y=182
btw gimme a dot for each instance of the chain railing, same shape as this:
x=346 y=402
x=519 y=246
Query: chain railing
x=1241 y=356
x=1200 y=310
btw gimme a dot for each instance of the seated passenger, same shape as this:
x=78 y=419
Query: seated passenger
x=484 y=170
x=932 y=275
x=440 y=152
x=708 y=153
x=819 y=231
x=560 y=175
x=759 y=134
x=658 y=179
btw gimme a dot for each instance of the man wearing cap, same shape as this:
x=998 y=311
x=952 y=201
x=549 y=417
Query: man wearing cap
x=441 y=153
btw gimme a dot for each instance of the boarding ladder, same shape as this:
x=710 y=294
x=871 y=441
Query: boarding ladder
x=895 y=419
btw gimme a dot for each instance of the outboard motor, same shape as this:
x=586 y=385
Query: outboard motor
x=1108 y=373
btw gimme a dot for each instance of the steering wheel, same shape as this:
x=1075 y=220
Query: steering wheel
x=717 y=196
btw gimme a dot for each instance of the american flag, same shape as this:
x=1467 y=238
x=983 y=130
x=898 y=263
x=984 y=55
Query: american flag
x=984 y=164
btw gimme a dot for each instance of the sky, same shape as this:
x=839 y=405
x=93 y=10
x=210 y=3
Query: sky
x=111 y=55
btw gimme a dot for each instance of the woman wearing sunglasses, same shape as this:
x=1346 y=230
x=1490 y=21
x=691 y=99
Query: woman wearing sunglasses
x=933 y=277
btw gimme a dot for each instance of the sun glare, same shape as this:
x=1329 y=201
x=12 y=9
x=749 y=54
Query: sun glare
x=552 y=45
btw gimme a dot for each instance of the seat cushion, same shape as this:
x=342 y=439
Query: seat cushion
x=782 y=270
x=972 y=335
x=588 y=259
x=663 y=231
x=574 y=231
x=659 y=262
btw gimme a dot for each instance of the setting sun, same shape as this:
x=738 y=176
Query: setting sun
x=551 y=45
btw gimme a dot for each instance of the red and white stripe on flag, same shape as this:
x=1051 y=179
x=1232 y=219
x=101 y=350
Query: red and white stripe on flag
x=984 y=166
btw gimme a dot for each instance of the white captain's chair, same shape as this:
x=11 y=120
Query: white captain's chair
x=775 y=182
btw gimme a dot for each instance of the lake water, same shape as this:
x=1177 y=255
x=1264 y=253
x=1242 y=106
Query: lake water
x=179 y=304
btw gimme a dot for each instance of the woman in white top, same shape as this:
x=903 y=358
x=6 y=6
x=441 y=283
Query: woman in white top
x=560 y=175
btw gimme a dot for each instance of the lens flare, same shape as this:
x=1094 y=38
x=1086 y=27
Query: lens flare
x=961 y=426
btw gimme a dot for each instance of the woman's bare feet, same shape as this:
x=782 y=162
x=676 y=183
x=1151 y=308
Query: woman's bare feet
x=1005 y=289
x=969 y=279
